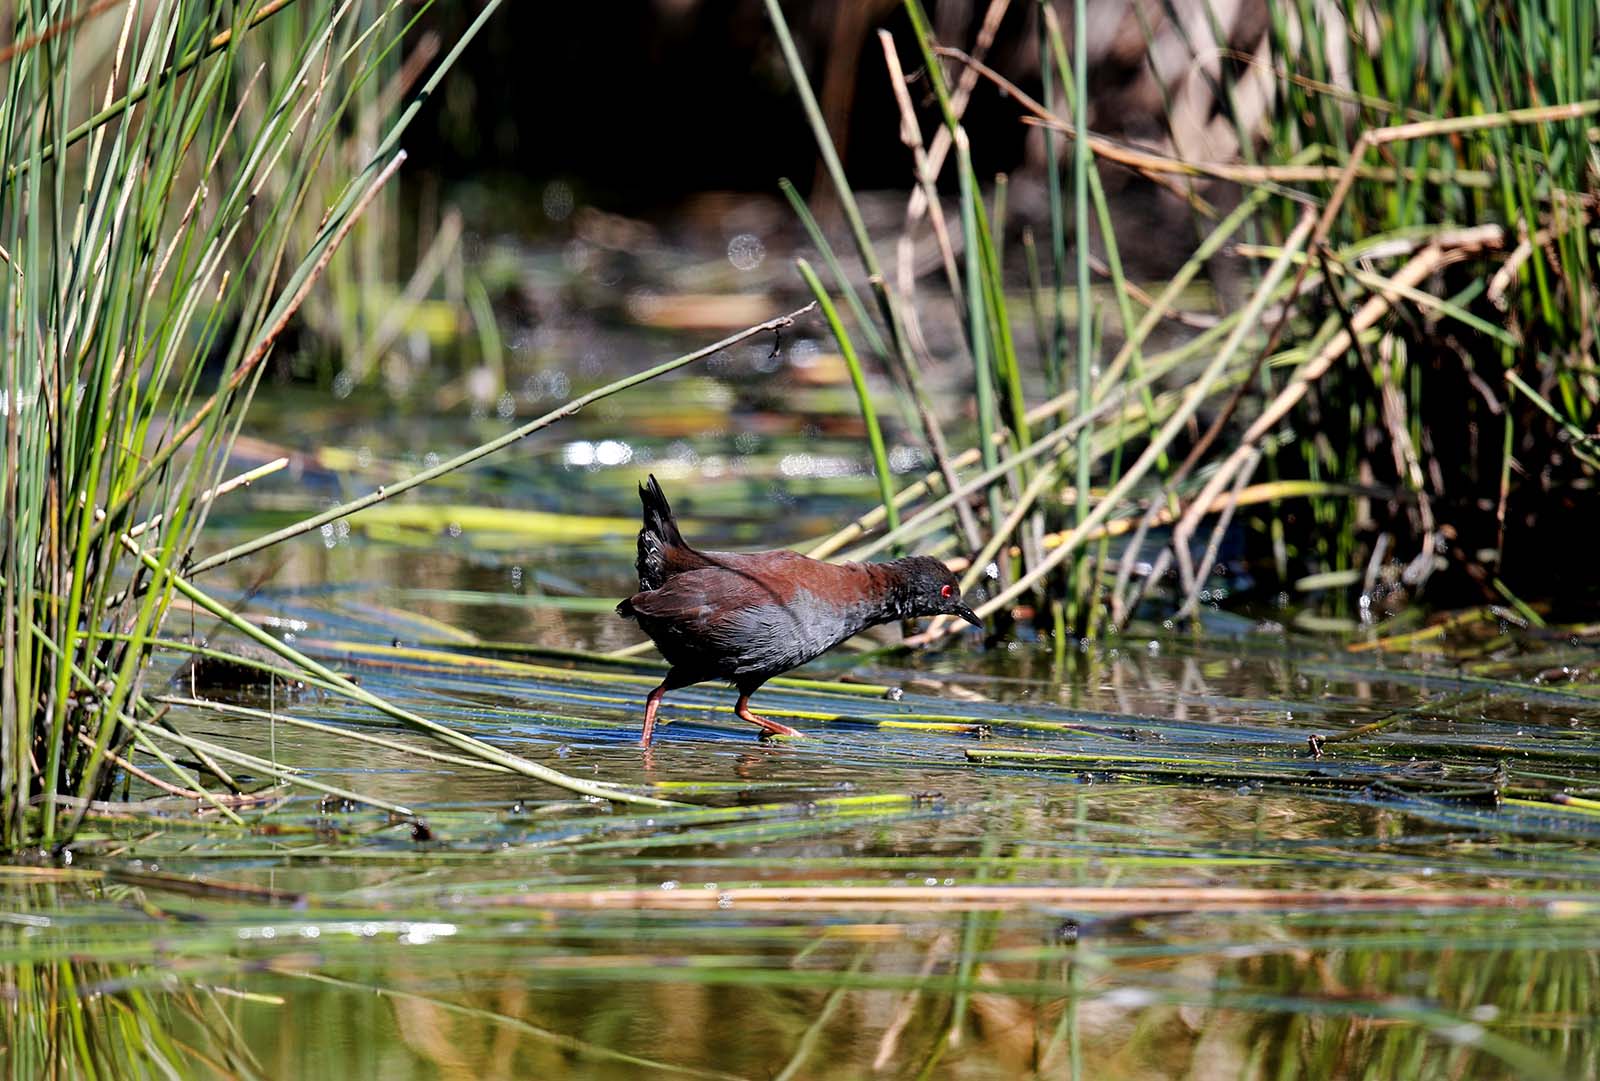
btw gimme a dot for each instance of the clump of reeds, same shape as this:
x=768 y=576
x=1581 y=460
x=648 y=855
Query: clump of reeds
x=1412 y=367
x=150 y=186
x=153 y=247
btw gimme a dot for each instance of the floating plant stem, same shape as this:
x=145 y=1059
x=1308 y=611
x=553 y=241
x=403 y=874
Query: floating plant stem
x=351 y=690
x=343 y=510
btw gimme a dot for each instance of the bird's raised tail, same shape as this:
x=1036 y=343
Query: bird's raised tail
x=657 y=536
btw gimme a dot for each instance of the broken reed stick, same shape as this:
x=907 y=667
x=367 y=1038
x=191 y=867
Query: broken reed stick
x=1009 y=897
x=383 y=492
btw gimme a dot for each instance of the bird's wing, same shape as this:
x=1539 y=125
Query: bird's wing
x=699 y=594
x=747 y=611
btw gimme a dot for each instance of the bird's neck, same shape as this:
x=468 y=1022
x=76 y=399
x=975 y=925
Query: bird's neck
x=889 y=594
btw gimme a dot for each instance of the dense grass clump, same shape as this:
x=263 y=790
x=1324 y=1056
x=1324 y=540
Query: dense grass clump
x=1398 y=404
x=158 y=177
x=147 y=277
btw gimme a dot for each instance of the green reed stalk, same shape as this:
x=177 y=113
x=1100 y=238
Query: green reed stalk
x=129 y=241
x=978 y=318
x=384 y=492
x=1194 y=395
x=355 y=692
x=1080 y=217
x=889 y=304
x=819 y=240
x=1056 y=346
x=869 y=414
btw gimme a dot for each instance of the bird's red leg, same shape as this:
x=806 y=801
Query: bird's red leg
x=651 y=703
x=742 y=711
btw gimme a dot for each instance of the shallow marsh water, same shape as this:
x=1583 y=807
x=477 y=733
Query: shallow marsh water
x=524 y=933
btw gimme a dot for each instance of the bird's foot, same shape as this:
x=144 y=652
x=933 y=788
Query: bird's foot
x=769 y=728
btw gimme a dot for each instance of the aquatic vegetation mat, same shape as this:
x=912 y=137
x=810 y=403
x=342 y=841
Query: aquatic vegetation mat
x=1261 y=854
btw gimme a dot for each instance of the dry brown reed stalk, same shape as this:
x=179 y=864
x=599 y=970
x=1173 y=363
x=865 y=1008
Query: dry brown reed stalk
x=926 y=176
x=990 y=898
x=238 y=800
x=233 y=484
x=1416 y=270
x=1162 y=514
x=1199 y=390
x=1372 y=138
x=1157 y=167
x=1227 y=505
x=33 y=41
x=959 y=97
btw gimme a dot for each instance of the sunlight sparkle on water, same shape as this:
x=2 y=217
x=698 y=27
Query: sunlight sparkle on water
x=817 y=465
x=584 y=454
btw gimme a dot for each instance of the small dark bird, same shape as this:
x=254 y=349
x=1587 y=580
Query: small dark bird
x=745 y=618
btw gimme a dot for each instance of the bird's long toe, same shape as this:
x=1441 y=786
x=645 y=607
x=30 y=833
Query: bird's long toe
x=768 y=727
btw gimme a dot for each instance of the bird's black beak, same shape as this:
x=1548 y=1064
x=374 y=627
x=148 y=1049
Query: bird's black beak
x=969 y=615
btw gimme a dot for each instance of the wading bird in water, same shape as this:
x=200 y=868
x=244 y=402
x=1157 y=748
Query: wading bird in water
x=748 y=617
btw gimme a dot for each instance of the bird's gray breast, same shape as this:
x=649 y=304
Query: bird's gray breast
x=775 y=637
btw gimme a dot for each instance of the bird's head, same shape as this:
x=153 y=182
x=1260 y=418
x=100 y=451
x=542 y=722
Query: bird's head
x=929 y=588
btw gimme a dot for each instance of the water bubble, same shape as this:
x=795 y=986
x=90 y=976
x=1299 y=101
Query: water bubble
x=1128 y=997
x=904 y=459
x=577 y=256
x=1464 y=1033
x=558 y=200
x=804 y=352
x=746 y=251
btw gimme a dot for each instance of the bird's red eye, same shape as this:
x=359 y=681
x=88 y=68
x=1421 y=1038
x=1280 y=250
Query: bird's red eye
x=946 y=591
